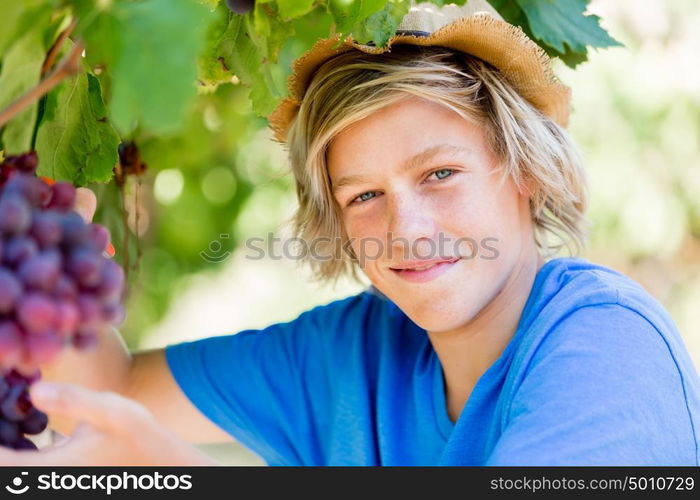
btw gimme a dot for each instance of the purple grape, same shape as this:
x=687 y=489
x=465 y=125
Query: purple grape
x=32 y=189
x=65 y=288
x=35 y=422
x=112 y=282
x=99 y=236
x=46 y=228
x=90 y=309
x=41 y=271
x=74 y=229
x=10 y=291
x=15 y=405
x=29 y=378
x=18 y=249
x=15 y=215
x=43 y=347
x=67 y=318
x=28 y=162
x=36 y=312
x=8 y=172
x=240 y=6
x=11 y=161
x=4 y=387
x=85 y=340
x=85 y=266
x=9 y=432
x=62 y=196
x=15 y=378
x=113 y=313
x=24 y=444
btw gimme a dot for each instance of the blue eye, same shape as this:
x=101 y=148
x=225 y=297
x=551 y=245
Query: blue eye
x=364 y=197
x=443 y=173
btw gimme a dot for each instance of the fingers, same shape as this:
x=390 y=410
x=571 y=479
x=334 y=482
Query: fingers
x=85 y=203
x=23 y=457
x=68 y=451
x=104 y=411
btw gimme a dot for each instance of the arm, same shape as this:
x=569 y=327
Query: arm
x=144 y=377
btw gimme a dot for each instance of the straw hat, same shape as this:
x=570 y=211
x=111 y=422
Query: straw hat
x=475 y=28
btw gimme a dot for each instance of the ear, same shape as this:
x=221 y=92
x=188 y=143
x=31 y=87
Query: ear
x=528 y=187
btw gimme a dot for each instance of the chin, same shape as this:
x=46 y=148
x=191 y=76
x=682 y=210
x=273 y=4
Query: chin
x=436 y=317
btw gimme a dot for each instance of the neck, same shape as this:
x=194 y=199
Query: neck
x=467 y=352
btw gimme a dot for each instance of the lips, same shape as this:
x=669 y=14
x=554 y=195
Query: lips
x=424 y=271
x=422 y=265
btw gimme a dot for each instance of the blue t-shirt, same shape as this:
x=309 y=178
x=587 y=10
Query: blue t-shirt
x=595 y=374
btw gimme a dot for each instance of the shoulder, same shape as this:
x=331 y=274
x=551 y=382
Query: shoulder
x=574 y=302
x=576 y=287
x=337 y=325
x=597 y=333
x=351 y=312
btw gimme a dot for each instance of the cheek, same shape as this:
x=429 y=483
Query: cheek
x=485 y=222
x=367 y=231
x=367 y=222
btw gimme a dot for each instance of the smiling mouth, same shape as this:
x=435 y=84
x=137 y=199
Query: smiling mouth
x=426 y=266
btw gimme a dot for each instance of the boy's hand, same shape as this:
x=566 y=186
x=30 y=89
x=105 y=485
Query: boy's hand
x=113 y=430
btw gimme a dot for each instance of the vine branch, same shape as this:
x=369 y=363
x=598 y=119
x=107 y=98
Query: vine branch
x=56 y=47
x=68 y=67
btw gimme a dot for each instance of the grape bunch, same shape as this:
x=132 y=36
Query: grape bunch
x=240 y=6
x=56 y=286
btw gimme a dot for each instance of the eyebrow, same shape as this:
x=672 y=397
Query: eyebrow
x=413 y=162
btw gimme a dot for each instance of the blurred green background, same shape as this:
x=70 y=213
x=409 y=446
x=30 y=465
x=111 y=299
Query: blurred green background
x=636 y=115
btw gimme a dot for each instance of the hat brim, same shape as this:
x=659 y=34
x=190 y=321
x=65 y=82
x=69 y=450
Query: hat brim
x=506 y=47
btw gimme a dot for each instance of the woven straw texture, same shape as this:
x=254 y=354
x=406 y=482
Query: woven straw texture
x=476 y=29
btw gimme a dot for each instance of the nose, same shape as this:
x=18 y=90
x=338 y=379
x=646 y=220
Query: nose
x=411 y=226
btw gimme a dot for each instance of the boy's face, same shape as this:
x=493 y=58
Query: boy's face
x=445 y=205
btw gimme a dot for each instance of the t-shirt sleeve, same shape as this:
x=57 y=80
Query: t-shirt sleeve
x=602 y=389
x=267 y=388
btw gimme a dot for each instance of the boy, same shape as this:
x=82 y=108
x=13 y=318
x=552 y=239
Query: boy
x=442 y=170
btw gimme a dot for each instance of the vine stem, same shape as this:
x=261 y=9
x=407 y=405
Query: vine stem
x=56 y=47
x=68 y=67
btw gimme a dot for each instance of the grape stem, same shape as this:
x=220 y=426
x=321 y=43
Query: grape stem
x=68 y=66
x=56 y=47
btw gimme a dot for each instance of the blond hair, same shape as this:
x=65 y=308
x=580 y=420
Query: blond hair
x=351 y=86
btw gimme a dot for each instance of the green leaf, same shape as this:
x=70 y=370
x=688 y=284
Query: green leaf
x=155 y=72
x=381 y=26
x=75 y=141
x=290 y=9
x=212 y=4
x=21 y=71
x=346 y=14
x=102 y=38
x=280 y=32
x=369 y=7
x=562 y=23
x=570 y=58
x=20 y=17
x=440 y=3
x=241 y=54
x=211 y=67
x=261 y=21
